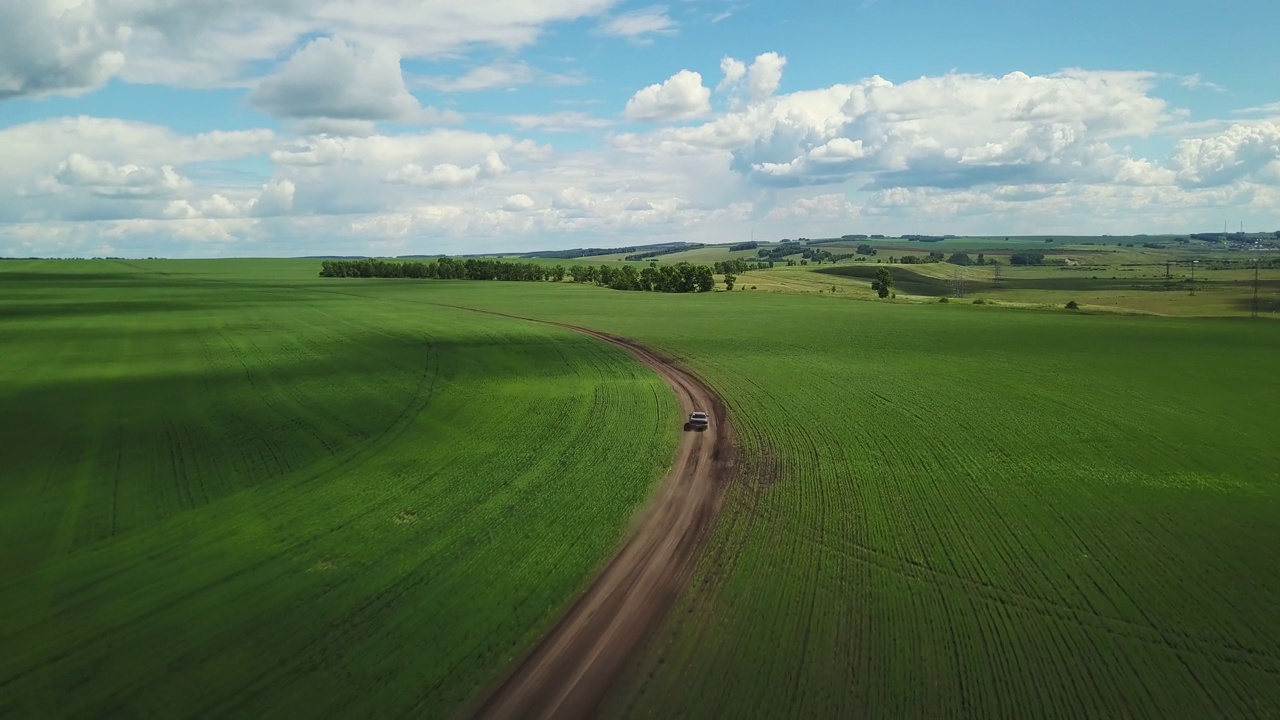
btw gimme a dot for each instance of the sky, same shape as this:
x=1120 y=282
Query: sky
x=238 y=128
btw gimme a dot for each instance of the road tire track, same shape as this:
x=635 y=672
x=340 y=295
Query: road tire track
x=569 y=670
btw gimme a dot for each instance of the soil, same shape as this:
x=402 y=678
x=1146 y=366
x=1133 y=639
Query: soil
x=568 y=671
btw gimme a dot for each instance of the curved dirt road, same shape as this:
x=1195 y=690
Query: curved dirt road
x=568 y=671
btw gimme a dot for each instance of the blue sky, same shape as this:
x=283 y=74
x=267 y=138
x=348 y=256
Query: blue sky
x=213 y=127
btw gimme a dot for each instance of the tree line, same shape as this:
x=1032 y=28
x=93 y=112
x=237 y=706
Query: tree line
x=678 y=278
x=442 y=269
x=662 y=251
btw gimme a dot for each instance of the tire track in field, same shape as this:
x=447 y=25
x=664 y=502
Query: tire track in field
x=568 y=671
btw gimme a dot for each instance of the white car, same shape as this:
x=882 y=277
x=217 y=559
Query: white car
x=697 y=421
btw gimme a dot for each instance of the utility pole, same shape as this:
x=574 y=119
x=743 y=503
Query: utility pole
x=1257 y=263
x=1166 y=270
x=1193 y=276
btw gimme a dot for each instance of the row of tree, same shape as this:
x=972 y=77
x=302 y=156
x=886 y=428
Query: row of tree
x=738 y=266
x=442 y=269
x=662 y=251
x=678 y=278
x=933 y=257
x=962 y=258
x=1026 y=258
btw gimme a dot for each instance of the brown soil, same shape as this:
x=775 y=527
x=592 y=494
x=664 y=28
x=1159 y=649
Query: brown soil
x=567 y=673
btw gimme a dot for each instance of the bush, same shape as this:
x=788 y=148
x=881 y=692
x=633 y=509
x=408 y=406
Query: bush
x=1071 y=305
x=944 y=299
x=979 y=301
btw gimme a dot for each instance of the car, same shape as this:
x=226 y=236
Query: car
x=697 y=421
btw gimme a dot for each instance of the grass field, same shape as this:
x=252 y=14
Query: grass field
x=226 y=498
x=955 y=511
x=947 y=510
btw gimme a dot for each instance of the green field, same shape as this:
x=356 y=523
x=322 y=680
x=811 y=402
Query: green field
x=223 y=497
x=946 y=510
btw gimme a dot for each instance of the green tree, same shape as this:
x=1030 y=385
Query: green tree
x=883 y=284
x=704 y=279
x=649 y=278
x=729 y=279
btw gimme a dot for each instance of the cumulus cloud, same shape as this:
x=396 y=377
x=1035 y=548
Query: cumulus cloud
x=761 y=78
x=1243 y=150
x=105 y=179
x=956 y=130
x=448 y=174
x=764 y=75
x=86 y=169
x=70 y=46
x=272 y=199
x=333 y=80
x=640 y=25
x=58 y=47
x=46 y=143
x=518 y=203
x=732 y=70
x=681 y=97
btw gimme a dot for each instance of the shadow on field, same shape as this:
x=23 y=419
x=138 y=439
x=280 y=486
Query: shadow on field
x=51 y=310
x=1265 y=304
x=77 y=278
x=262 y=399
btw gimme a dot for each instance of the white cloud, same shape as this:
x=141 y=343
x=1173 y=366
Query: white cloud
x=639 y=25
x=105 y=179
x=70 y=46
x=455 y=146
x=761 y=78
x=681 y=97
x=565 y=121
x=733 y=71
x=448 y=174
x=59 y=47
x=828 y=208
x=504 y=74
x=1196 y=82
x=956 y=130
x=1244 y=150
x=764 y=75
x=1272 y=109
x=333 y=80
x=273 y=199
x=518 y=203
x=496 y=75
x=47 y=142
x=86 y=169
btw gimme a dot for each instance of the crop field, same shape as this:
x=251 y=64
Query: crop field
x=224 y=497
x=957 y=511
x=945 y=510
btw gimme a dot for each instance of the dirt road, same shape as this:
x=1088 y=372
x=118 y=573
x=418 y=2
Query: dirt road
x=568 y=671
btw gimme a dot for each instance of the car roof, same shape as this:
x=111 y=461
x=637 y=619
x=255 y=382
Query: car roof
x=698 y=414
